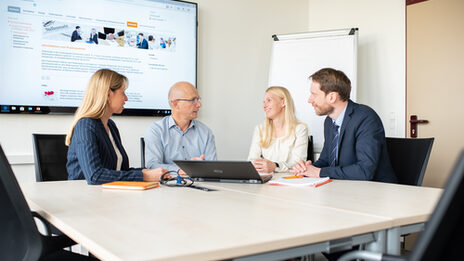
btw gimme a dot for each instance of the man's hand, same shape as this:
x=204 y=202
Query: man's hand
x=182 y=173
x=202 y=157
x=264 y=166
x=306 y=169
x=312 y=172
x=300 y=167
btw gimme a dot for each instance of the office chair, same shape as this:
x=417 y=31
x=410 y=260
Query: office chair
x=142 y=152
x=20 y=238
x=310 y=155
x=442 y=238
x=409 y=158
x=50 y=157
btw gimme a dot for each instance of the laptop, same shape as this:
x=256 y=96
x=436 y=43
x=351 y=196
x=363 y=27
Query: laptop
x=222 y=171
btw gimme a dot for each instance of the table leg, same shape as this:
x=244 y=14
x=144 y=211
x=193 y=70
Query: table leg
x=379 y=244
x=393 y=241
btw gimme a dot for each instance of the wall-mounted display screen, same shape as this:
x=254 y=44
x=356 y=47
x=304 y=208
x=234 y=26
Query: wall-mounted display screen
x=50 y=49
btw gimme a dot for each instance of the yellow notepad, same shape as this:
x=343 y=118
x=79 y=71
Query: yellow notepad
x=130 y=185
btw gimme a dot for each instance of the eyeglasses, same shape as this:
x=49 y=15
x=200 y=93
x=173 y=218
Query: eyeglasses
x=178 y=181
x=193 y=100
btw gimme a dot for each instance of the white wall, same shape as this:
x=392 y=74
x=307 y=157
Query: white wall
x=234 y=53
x=381 y=52
x=235 y=46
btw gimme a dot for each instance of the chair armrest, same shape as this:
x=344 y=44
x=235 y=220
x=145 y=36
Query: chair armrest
x=369 y=256
x=48 y=230
x=54 y=243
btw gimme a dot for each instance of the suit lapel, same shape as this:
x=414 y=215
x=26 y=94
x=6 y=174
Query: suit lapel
x=346 y=120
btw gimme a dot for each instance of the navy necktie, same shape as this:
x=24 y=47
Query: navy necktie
x=334 y=145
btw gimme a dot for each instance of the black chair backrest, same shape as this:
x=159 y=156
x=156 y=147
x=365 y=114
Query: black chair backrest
x=409 y=158
x=20 y=239
x=50 y=157
x=310 y=155
x=142 y=152
x=443 y=238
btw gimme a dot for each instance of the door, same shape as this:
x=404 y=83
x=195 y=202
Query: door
x=435 y=80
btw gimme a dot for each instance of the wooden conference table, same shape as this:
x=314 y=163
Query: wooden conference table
x=238 y=221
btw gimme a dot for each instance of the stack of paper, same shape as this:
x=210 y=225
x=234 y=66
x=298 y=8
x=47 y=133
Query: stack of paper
x=300 y=181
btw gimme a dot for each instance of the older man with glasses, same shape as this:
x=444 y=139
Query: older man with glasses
x=179 y=136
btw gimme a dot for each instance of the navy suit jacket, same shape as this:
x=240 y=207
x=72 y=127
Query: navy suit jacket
x=362 y=151
x=75 y=36
x=94 y=38
x=91 y=155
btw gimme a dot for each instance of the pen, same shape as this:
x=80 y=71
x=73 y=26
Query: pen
x=294 y=177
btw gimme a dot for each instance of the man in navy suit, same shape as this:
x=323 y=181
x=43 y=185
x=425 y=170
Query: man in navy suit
x=354 y=146
x=76 y=34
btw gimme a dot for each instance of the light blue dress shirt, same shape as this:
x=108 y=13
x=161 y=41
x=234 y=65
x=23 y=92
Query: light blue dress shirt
x=165 y=142
x=340 y=118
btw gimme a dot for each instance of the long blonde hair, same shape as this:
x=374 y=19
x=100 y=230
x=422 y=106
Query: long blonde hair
x=94 y=103
x=289 y=116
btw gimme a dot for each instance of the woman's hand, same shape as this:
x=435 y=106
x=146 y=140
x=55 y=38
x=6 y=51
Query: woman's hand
x=154 y=174
x=264 y=166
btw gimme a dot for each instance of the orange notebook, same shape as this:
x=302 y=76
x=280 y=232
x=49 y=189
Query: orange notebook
x=130 y=185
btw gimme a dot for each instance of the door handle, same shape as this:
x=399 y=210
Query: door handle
x=414 y=121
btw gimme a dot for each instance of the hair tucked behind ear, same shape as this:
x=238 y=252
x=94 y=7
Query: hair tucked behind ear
x=94 y=103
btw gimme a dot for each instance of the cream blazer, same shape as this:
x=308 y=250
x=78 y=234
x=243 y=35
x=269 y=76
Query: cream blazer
x=286 y=152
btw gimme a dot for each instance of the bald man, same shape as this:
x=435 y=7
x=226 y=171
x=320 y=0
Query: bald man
x=179 y=136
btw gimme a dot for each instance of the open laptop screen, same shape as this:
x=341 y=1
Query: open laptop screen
x=225 y=171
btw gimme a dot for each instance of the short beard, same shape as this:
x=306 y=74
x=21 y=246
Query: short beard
x=324 y=111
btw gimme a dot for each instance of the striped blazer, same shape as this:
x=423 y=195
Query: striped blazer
x=91 y=155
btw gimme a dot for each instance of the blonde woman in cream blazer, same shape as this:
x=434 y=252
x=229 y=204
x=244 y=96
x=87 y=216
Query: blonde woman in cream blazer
x=281 y=141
